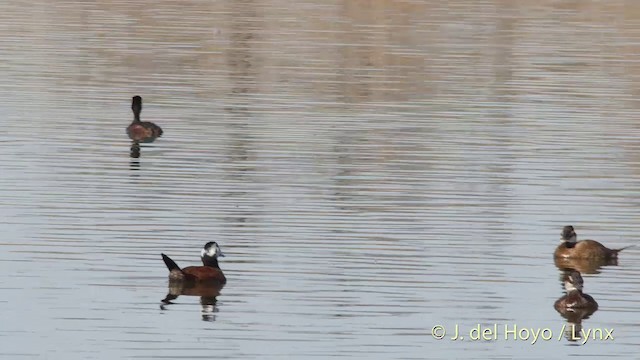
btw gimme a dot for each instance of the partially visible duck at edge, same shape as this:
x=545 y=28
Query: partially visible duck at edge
x=575 y=298
x=210 y=272
x=143 y=131
x=571 y=248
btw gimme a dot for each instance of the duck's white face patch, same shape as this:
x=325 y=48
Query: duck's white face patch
x=575 y=282
x=569 y=286
x=212 y=251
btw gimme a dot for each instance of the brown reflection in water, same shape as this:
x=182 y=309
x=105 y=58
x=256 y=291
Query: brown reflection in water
x=207 y=292
x=379 y=50
x=243 y=27
x=381 y=35
x=134 y=153
x=573 y=330
x=584 y=266
x=135 y=150
x=243 y=61
x=574 y=315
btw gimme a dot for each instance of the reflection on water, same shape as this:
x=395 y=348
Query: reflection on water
x=575 y=306
x=584 y=266
x=376 y=168
x=135 y=151
x=206 y=292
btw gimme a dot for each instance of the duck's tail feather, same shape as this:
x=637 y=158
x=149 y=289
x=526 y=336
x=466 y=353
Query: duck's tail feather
x=626 y=247
x=171 y=265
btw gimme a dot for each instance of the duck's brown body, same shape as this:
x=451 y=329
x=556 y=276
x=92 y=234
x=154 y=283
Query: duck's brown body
x=143 y=131
x=585 y=249
x=198 y=274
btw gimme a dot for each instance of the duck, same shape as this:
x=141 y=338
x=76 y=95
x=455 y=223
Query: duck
x=142 y=131
x=574 y=298
x=209 y=272
x=570 y=248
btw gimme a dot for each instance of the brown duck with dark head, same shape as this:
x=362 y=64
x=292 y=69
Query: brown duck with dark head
x=571 y=248
x=141 y=131
x=209 y=273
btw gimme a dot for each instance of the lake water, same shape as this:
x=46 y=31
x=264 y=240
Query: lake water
x=371 y=169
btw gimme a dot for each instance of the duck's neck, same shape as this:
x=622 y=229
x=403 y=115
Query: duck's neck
x=211 y=262
x=574 y=291
x=136 y=116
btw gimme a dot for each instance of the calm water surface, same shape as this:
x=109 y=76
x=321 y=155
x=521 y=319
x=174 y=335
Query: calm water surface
x=371 y=170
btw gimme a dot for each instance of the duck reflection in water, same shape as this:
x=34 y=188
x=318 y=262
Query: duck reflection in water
x=135 y=150
x=584 y=266
x=208 y=293
x=205 y=281
x=575 y=305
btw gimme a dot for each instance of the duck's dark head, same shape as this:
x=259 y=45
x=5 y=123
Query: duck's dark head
x=568 y=234
x=136 y=104
x=210 y=254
